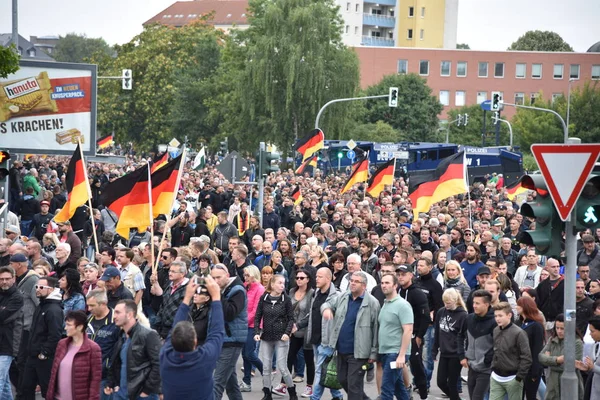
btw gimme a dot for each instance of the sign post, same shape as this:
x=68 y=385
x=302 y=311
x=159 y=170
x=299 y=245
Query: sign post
x=565 y=169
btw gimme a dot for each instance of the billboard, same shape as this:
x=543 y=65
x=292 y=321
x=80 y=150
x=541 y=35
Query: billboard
x=46 y=107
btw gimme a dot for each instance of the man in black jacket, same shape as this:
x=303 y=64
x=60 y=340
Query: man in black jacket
x=422 y=319
x=46 y=331
x=551 y=293
x=135 y=367
x=11 y=323
x=41 y=220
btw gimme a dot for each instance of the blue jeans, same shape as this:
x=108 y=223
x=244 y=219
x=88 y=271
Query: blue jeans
x=392 y=383
x=103 y=396
x=150 y=313
x=250 y=357
x=5 y=389
x=225 y=377
x=428 y=362
x=25 y=228
x=300 y=364
x=321 y=353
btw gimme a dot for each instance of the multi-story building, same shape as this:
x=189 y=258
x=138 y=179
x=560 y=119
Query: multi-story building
x=467 y=77
x=227 y=13
x=45 y=43
x=27 y=50
x=400 y=23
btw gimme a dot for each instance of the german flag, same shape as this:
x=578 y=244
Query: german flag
x=382 y=177
x=309 y=162
x=159 y=162
x=310 y=144
x=129 y=198
x=164 y=186
x=360 y=173
x=297 y=195
x=514 y=190
x=78 y=187
x=104 y=142
x=448 y=179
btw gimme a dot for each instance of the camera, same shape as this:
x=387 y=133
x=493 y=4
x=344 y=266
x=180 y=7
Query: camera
x=199 y=280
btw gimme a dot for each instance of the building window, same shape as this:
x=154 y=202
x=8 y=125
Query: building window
x=536 y=71
x=376 y=11
x=347 y=6
x=532 y=98
x=403 y=67
x=499 y=70
x=521 y=70
x=461 y=68
x=445 y=68
x=424 y=67
x=556 y=96
x=445 y=97
x=483 y=69
x=347 y=28
x=357 y=8
x=409 y=34
x=481 y=97
x=558 y=71
x=375 y=34
x=595 y=72
x=519 y=98
x=422 y=12
x=459 y=98
x=356 y=30
x=422 y=34
x=411 y=12
x=574 y=71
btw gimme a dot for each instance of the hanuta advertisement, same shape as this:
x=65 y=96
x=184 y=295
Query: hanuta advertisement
x=48 y=108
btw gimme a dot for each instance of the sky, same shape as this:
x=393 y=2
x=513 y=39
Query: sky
x=483 y=24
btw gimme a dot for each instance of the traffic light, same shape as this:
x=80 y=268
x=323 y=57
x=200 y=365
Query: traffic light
x=268 y=162
x=587 y=208
x=224 y=147
x=466 y=119
x=547 y=235
x=127 y=77
x=4 y=165
x=459 y=120
x=340 y=154
x=496 y=101
x=495 y=117
x=393 y=97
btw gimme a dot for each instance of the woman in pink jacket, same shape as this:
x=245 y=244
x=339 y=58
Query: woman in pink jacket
x=254 y=291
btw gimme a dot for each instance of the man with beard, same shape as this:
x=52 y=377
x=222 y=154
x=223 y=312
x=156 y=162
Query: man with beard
x=349 y=227
x=40 y=221
x=182 y=231
x=471 y=264
x=457 y=239
x=67 y=236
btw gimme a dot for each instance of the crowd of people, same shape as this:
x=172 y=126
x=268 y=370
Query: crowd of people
x=344 y=280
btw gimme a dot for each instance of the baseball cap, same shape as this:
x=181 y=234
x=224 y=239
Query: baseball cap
x=204 y=239
x=405 y=268
x=497 y=222
x=469 y=230
x=19 y=257
x=485 y=270
x=44 y=203
x=405 y=224
x=417 y=248
x=13 y=229
x=109 y=273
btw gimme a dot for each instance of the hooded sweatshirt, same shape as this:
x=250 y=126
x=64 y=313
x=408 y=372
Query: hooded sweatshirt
x=448 y=324
x=477 y=334
x=189 y=375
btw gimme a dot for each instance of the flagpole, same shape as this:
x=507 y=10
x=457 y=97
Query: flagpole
x=89 y=190
x=151 y=214
x=162 y=239
x=365 y=186
x=466 y=172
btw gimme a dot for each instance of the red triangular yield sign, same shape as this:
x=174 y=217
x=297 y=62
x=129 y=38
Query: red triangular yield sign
x=565 y=168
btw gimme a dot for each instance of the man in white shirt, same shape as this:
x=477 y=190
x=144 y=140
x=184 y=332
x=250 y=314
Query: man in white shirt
x=354 y=265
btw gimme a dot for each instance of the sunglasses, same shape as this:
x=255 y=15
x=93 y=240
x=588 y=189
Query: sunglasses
x=165 y=257
x=300 y=278
x=9 y=233
x=43 y=287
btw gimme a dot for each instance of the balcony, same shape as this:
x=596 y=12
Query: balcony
x=382 y=21
x=377 y=41
x=390 y=3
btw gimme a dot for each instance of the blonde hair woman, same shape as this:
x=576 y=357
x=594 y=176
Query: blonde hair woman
x=454 y=278
x=448 y=322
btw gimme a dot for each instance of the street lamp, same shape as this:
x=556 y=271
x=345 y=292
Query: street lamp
x=569 y=104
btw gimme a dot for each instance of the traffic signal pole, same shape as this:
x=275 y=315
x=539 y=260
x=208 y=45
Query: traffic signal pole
x=341 y=100
x=569 y=379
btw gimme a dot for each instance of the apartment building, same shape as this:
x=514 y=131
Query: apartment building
x=466 y=77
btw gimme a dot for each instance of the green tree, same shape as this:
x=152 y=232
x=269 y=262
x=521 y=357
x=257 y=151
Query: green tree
x=585 y=113
x=157 y=57
x=464 y=46
x=540 y=41
x=79 y=48
x=292 y=62
x=532 y=126
x=9 y=61
x=417 y=113
x=377 y=132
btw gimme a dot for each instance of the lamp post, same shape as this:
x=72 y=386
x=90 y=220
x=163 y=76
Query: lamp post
x=569 y=104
